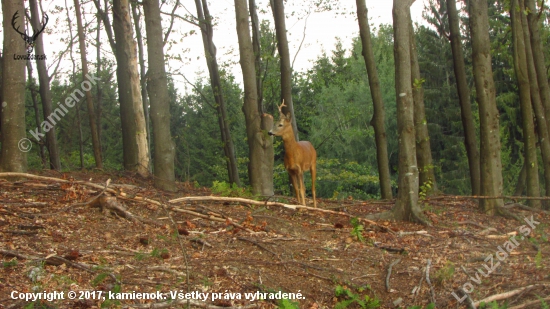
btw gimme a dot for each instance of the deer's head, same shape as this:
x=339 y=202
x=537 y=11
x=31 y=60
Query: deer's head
x=283 y=125
x=29 y=39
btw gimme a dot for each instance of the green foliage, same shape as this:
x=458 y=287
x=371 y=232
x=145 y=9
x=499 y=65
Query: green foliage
x=357 y=230
x=99 y=278
x=9 y=264
x=108 y=303
x=538 y=259
x=492 y=305
x=543 y=304
x=287 y=304
x=232 y=190
x=348 y=297
x=445 y=273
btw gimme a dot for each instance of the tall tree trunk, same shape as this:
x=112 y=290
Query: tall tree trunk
x=423 y=149
x=33 y=91
x=278 y=9
x=143 y=79
x=520 y=68
x=44 y=89
x=490 y=160
x=13 y=155
x=99 y=89
x=255 y=23
x=134 y=131
x=378 y=117
x=157 y=87
x=537 y=102
x=89 y=99
x=260 y=167
x=538 y=57
x=406 y=207
x=463 y=90
x=205 y=24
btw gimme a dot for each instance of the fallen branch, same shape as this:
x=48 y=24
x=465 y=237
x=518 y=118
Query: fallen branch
x=428 y=280
x=509 y=294
x=211 y=218
x=277 y=204
x=534 y=302
x=389 y=274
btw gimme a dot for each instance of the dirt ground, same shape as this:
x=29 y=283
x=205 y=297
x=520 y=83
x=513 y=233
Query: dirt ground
x=240 y=255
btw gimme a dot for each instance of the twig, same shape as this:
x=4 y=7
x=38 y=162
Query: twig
x=428 y=280
x=527 y=304
x=509 y=294
x=257 y=244
x=389 y=274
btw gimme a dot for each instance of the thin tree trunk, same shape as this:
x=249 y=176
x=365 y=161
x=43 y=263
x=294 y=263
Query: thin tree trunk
x=423 y=149
x=157 y=88
x=520 y=68
x=98 y=73
x=537 y=102
x=45 y=93
x=13 y=155
x=406 y=207
x=89 y=99
x=205 y=24
x=142 y=72
x=538 y=57
x=378 y=117
x=490 y=159
x=278 y=9
x=463 y=90
x=255 y=23
x=36 y=114
x=260 y=167
x=522 y=178
x=134 y=131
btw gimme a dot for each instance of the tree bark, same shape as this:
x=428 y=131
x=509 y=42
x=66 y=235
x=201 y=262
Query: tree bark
x=536 y=102
x=463 y=90
x=490 y=160
x=157 y=87
x=33 y=91
x=44 y=89
x=423 y=149
x=13 y=155
x=89 y=99
x=378 y=117
x=134 y=131
x=255 y=23
x=406 y=207
x=143 y=79
x=278 y=9
x=538 y=57
x=520 y=68
x=260 y=167
x=207 y=31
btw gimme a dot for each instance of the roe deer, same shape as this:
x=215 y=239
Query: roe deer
x=299 y=156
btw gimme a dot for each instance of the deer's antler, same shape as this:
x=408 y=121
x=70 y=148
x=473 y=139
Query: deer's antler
x=23 y=35
x=281 y=106
x=36 y=34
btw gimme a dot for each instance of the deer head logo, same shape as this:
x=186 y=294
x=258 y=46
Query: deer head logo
x=29 y=39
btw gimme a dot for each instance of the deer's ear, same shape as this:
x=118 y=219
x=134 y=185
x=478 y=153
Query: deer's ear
x=287 y=116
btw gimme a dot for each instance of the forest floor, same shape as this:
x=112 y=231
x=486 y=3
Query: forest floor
x=223 y=254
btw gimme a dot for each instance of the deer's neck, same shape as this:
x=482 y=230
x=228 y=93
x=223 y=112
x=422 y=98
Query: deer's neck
x=289 y=141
